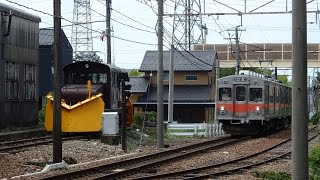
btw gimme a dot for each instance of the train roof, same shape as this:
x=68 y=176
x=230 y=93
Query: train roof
x=81 y=65
x=265 y=78
x=18 y=12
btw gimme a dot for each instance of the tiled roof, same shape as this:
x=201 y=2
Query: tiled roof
x=139 y=84
x=181 y=94
x=46 y=37
x=183 y=61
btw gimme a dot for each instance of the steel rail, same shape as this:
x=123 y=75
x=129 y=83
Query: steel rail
x=30 y=143
x=197 y=170
x=108 y=171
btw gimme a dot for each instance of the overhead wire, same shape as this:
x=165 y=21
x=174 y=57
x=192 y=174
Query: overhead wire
x=132 y=41
x=122 y=22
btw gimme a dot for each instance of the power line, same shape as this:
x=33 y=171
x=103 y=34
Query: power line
x=132 y=41
x=132 y=19
x=124 y=23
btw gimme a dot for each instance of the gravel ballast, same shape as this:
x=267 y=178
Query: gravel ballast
x=83 y=151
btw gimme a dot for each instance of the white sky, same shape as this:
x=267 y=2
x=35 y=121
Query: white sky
x=258 y=28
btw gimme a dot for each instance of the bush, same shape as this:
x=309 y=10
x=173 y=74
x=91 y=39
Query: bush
x=138 y=118
x=315 y=118
x=42 y=114
x=151 y=116
x=314 y=162
x=272 y=175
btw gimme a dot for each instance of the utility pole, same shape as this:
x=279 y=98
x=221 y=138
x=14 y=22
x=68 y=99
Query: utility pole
x=108 y=31
x=237 y=47
x=237 y=51
x=171 y=85
x=160 y=77
x=123 y=117
x=57 y=142
x=217 y=76
x=299 y=92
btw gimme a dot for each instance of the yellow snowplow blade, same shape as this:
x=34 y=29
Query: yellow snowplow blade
x=85 y=116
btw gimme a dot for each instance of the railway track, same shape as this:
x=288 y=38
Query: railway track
x=20 y=145
x=134 y=165
x=272 y=153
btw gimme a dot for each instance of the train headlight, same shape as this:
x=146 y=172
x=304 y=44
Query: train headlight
x=258 y=112
x=222 y=112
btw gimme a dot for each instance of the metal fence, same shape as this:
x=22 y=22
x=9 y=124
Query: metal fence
x=195 y=129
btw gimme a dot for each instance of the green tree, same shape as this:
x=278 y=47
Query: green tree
x=231 y=71
x=259 y=70
x=318 y=76
x=284 y=79
x=135 y=73
x=227 y=71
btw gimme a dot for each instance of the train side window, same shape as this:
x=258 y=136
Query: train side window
x=225 y=94
x=241 y=93
x=255 y=94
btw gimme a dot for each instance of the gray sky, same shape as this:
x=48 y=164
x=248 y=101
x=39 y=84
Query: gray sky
x=258 y=28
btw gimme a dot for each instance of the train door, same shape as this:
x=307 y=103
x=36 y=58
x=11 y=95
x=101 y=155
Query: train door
x=267 y=100
x=271 y=101
x=240 y=102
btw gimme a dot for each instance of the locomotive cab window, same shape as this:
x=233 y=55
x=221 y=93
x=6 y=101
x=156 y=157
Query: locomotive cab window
x=241 y=93
x=225 y=94
x=255 y=94
x=81 y=78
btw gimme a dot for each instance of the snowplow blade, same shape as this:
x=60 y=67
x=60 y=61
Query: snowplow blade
x=85 y=116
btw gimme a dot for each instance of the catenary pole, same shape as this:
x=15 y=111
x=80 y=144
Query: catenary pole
x=108 y=31
x=57 y=142
x=123 y=118
x=237 y=51
x=299 y=92
x=171 y=85
x=160 y=77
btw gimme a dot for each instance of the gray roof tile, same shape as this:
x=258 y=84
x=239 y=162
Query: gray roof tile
x=46 y=38
x=183 y=61
x=139 y=84
x=183 y=93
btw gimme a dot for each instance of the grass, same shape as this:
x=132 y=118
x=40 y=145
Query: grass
x=272 y=175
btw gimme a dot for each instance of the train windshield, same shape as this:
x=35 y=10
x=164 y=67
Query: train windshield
x=255 y=94
x=225 y=94
x=240 y=93
x=81 y=78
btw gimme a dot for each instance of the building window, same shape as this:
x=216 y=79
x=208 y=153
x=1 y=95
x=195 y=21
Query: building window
x=191 y=77
x=166 y=76
x=12 y=79
x=30 y=82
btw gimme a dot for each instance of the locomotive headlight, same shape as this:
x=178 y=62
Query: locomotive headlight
x=222 y=108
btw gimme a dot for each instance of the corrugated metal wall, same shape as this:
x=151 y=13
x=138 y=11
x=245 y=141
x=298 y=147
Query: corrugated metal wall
x=19 y=70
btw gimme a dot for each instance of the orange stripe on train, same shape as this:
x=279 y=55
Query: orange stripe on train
x=249 y=107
